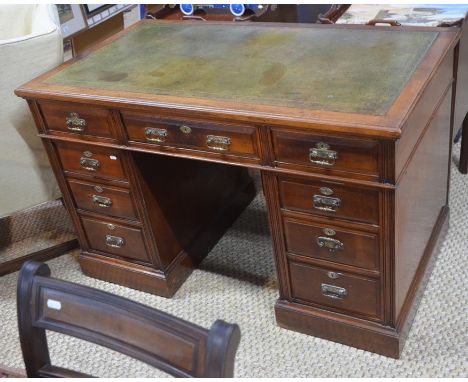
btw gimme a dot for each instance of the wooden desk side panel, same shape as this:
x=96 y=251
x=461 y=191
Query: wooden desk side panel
x=422 y=114
x=461 y=106
x=419 y=199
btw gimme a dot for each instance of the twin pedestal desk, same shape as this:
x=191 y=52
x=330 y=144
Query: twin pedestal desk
x=151 y=136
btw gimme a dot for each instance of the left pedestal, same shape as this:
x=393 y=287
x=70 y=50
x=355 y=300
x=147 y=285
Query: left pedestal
x=145 y=220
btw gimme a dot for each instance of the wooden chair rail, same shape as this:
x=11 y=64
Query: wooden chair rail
x=173 y=345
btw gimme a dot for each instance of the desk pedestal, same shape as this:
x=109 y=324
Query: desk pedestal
x=188 y=206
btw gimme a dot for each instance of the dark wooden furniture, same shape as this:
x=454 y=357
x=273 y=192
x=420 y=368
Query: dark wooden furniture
x=175 y=346
x=15 y=232
x=9 y=372
x=463 y=166
x=12 y=265
x=461 y=104
x=333 y=13
x=83 y=41
x=150 y=137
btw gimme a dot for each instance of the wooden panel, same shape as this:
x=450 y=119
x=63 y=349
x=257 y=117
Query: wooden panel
x=131 y=247
x=422 y=114
x=339 y=328
x=178 y=347
x=108 y=163
x=101 y=318
x=97 y=121
x=82 y=42
x=354 y=156
x=89 y=196
x=362 y=295
x=190 y=203
x=360 y=249
x=419 y=199
x=461 y=106
x=193 y=134
x=358 y=204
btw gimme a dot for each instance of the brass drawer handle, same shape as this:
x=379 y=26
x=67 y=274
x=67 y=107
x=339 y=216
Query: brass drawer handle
x=326 y=203
x=185 y=129
x=333 y=291
x=216 y=142
x=89 y=164
x=115 y=241
x=75 y=123
x=102 y=201
x=331 y=244
x=154 y=134
x=322 y=155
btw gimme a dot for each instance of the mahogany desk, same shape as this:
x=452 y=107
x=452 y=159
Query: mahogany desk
x=151 y=135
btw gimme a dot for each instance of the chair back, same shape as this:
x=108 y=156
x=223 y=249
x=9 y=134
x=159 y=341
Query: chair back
x=178 y=347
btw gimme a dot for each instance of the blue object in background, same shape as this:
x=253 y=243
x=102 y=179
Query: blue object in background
x=187 y=9
x=236 y=9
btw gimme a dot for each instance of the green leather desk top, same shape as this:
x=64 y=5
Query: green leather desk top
x=333 y=69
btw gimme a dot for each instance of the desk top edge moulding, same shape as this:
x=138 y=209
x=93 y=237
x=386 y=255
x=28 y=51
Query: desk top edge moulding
x=263 y=79
x=151 y=136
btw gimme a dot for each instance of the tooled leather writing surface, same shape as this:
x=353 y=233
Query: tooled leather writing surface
x=343 y=70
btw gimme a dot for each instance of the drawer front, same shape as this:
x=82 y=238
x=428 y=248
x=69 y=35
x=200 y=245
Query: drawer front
x=214 y=138
x=341 y=291
x=327 y=199
x=107 y=200
x=311 y=152
x=91 y=160
x=115 y=239
x=331 y=243
x=77 y=119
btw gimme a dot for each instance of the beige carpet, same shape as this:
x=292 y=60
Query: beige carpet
x=237 y=283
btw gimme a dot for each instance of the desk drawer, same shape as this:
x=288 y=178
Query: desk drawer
x=332 y=243
x=91 y=160
x=116 y=239
x=209 y=137
x=102 y=199
x=311 y=152
x=77 y=119
x=328 y=199
x=341 y=291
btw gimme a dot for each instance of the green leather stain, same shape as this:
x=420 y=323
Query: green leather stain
x=109 y=76
x=333 y=69
x=273 y=74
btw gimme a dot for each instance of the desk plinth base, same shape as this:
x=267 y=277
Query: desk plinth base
x=143 y=278
x=148 y=279
x=362 y=334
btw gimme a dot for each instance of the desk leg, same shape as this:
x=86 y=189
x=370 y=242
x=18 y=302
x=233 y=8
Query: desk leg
x=463 y=166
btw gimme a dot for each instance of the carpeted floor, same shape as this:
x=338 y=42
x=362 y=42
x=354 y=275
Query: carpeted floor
x=237 y=283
